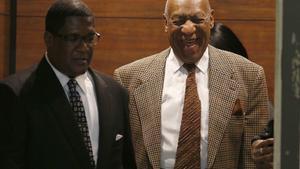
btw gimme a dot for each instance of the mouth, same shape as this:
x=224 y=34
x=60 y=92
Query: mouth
x=81 y=60
x=191 y=46
x=191 y=42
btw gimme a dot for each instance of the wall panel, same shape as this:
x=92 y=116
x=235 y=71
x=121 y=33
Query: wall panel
x=4 y=38
x=115 y=48
x=103 y=8
x=135 y=39
x=3 y=46
x=244 y=9
x=30 y=43
x=134 y=29
x=4 y=7
x=225 y=9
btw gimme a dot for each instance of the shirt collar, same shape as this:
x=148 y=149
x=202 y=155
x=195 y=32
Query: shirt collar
x=176 y=63
x=64 y=79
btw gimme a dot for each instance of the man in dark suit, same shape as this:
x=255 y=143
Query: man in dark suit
x=61 y=114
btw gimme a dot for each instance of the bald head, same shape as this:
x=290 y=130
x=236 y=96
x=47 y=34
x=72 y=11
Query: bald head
x=173 y=5
x=188 y=24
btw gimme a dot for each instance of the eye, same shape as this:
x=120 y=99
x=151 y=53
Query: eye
x=178 y=22
x=90 y=37
x=72 y=37
x=198 y=20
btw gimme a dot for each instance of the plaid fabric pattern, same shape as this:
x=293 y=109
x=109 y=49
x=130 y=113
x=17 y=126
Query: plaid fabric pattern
x=231 y=78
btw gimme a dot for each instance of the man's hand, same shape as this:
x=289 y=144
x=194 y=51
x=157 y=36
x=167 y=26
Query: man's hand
x=262 y=153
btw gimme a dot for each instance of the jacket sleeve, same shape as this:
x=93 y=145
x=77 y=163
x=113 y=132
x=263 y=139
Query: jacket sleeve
x=128 y=153
x=256 y=117
x=9 y=107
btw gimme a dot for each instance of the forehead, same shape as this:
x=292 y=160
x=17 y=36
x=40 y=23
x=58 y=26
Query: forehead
x=187 y=7
x=78 y=24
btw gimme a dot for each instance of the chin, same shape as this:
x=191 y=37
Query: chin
x=191 y=58
x=79 y=72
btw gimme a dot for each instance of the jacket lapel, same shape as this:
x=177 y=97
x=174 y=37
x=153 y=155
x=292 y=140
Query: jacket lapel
x=148 y=100
x=223 y=92
x=56 y=102
x=106 y=118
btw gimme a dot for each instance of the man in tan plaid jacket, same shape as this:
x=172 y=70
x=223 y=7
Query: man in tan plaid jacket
x=232 y=91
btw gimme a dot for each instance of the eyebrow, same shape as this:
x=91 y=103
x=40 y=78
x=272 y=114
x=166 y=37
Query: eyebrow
x=78 y=33
x=198 y=13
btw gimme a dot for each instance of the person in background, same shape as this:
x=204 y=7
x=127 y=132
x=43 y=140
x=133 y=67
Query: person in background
x=223 y=37
x=192 y=105
x=62 y=114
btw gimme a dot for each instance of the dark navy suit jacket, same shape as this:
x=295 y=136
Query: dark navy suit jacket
x=39 y=128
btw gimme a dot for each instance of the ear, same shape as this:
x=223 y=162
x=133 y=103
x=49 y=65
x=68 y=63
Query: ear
x=212 y=24
x=166 y=28
x=48 y=38
x=212 y=18
x=166 y=22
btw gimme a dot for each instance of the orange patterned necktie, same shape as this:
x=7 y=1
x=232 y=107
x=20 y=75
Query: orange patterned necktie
x=188 y=149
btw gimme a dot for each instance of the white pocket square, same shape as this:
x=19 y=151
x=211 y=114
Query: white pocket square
x=118 y=137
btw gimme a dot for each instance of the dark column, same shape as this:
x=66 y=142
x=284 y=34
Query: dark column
x=290 y=75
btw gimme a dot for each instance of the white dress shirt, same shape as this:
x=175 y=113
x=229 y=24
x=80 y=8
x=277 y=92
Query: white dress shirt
x=172 y=107
x=88 y=96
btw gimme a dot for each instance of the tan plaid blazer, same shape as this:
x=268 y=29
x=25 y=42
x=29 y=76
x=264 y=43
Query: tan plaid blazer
x=237 y=110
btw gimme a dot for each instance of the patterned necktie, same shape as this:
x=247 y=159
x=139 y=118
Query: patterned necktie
x=188 y=149
x=79 y=114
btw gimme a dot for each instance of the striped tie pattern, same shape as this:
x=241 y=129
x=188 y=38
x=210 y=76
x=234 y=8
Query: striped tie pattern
x=188 y=149
x=79 y=114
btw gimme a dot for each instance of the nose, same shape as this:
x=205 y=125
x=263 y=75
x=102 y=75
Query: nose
x=188 y=27
x=83 y=45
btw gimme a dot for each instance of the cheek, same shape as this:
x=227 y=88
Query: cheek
x=67 y=55
x=203 y=32
x=175 y=38
x=90 y=50
x=62 y=49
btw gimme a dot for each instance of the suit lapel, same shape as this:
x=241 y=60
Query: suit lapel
x=56 y=102
x=148 y=100
x=106 y=118
x=223 y=92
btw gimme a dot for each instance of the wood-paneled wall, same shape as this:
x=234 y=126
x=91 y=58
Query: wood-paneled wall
x=133 y=29
x=4 y=37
